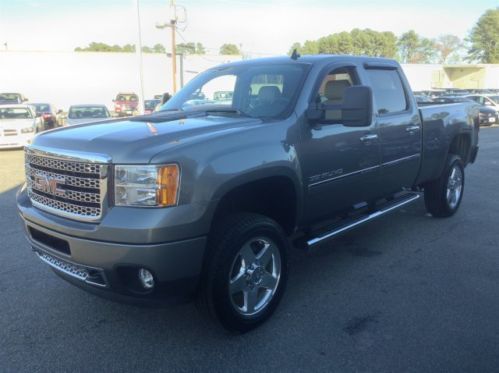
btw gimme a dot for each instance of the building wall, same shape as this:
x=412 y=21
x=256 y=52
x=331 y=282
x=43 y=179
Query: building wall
x=66 y=78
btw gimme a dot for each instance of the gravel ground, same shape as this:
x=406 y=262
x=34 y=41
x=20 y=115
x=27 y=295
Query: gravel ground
x=405 y=293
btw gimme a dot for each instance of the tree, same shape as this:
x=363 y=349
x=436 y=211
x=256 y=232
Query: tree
x=484 y=38
x=229 y=49
x=447 y=45
x=416 y=49
x=158 y=48
x=191 y=48
x=358 y=42
x=407 y=45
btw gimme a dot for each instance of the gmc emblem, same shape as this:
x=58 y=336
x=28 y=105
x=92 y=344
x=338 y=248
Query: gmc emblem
x=49 y=185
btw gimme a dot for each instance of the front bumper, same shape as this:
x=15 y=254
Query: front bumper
x=110 y=269
x=15 y=142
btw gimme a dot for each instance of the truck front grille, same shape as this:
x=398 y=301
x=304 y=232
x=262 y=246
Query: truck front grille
x=74 y=189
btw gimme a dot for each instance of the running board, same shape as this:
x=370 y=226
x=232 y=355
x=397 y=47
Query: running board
x=346 y=226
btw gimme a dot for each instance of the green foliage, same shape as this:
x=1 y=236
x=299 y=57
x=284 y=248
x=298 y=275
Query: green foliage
x=484 y=38
x=415 y=49
x=448 y=47
x=127 y=48
x=229 y=49
x=191 y=48
x=357 y=42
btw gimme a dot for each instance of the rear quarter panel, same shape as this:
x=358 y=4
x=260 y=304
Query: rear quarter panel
x=441 y=124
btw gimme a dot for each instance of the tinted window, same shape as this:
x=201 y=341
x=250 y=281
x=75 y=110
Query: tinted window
x=80 y=112
x=260 y=91
x=388 y=91
x=15 y=113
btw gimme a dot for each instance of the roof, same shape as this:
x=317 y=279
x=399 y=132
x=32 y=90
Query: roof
x=88 y=105
x=25 y=106
x=312 y=59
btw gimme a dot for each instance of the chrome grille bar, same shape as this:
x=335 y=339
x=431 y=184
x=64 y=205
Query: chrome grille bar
x=66 y=186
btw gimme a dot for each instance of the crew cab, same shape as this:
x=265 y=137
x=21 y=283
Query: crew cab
x=205 y=200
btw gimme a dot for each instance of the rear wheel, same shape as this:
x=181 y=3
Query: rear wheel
x=443 y=195
x=246 y=272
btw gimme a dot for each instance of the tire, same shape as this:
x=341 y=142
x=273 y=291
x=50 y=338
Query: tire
x=443 y=196
x=245 y=272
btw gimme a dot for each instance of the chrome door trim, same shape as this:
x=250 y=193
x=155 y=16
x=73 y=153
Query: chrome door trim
x=364 y=170
x=400 y=160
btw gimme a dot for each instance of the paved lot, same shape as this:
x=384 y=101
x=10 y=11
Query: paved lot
x=405 y=293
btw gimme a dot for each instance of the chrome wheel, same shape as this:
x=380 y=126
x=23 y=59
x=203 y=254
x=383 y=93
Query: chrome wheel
x=454 y=186
x=254 y=276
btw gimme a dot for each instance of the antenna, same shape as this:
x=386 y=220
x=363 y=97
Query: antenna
x=295 y=55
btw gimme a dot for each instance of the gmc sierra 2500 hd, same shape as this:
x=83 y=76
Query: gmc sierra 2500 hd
x=205 y=197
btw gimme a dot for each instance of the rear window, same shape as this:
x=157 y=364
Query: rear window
x=78 y=112
x=388 y=91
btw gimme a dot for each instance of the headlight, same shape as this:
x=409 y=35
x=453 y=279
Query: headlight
x=146 y=186
x=27 y=130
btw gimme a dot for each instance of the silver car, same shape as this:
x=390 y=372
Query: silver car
x=18 y=126
x=79 y=114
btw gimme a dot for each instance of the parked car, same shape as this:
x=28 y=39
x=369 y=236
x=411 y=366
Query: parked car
x=490 y=100
x=126 y=104
x=18 y=126
x=206 y=200
x=150 y=105
x=78 y=114
x=12 y=98
x=487 y=114
x=47 y=113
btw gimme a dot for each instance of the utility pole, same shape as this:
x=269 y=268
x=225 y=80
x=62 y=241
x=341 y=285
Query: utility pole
x=138 y=51
x=173 y=26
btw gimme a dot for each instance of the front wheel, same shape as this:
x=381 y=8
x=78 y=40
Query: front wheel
x=443 y=195
x=246 y=272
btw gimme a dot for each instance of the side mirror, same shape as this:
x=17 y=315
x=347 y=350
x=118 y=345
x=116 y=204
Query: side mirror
x=357 y=106
x=25 y=99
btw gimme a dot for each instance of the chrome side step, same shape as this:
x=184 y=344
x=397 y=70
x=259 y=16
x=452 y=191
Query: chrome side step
x=385 y=209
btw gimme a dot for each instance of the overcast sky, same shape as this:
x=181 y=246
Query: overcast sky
x=262 y=27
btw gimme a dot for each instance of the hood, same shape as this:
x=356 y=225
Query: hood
x=10 y=124
x=138 y=141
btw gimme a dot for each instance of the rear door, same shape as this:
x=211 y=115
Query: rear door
x=398 y=126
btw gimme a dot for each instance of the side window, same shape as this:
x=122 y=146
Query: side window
x=388 y=91
x=334 y=84
x=332 y=89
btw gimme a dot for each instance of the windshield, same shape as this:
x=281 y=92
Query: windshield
x=132 y=97
x=495 y=99
x=260 y=91
x=83 y=112
x=10 y=97
x=151 y=104
x=15 y=113
x=42 y=108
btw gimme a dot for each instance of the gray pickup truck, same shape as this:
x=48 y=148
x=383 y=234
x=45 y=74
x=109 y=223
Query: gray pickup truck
x=205 y=197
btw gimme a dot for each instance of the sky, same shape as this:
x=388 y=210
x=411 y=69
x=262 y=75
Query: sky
x=261 y=27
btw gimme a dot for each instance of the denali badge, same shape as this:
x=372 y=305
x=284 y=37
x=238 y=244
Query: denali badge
x=48 y=184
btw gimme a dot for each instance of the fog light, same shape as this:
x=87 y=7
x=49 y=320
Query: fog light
x=146 y=278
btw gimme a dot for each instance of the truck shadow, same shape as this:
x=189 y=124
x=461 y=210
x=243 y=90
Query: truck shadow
x=80 y=318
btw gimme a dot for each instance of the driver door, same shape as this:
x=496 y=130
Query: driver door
x=340 y=164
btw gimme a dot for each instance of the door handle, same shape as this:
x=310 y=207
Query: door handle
x=413 y=128
x=369 y=137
